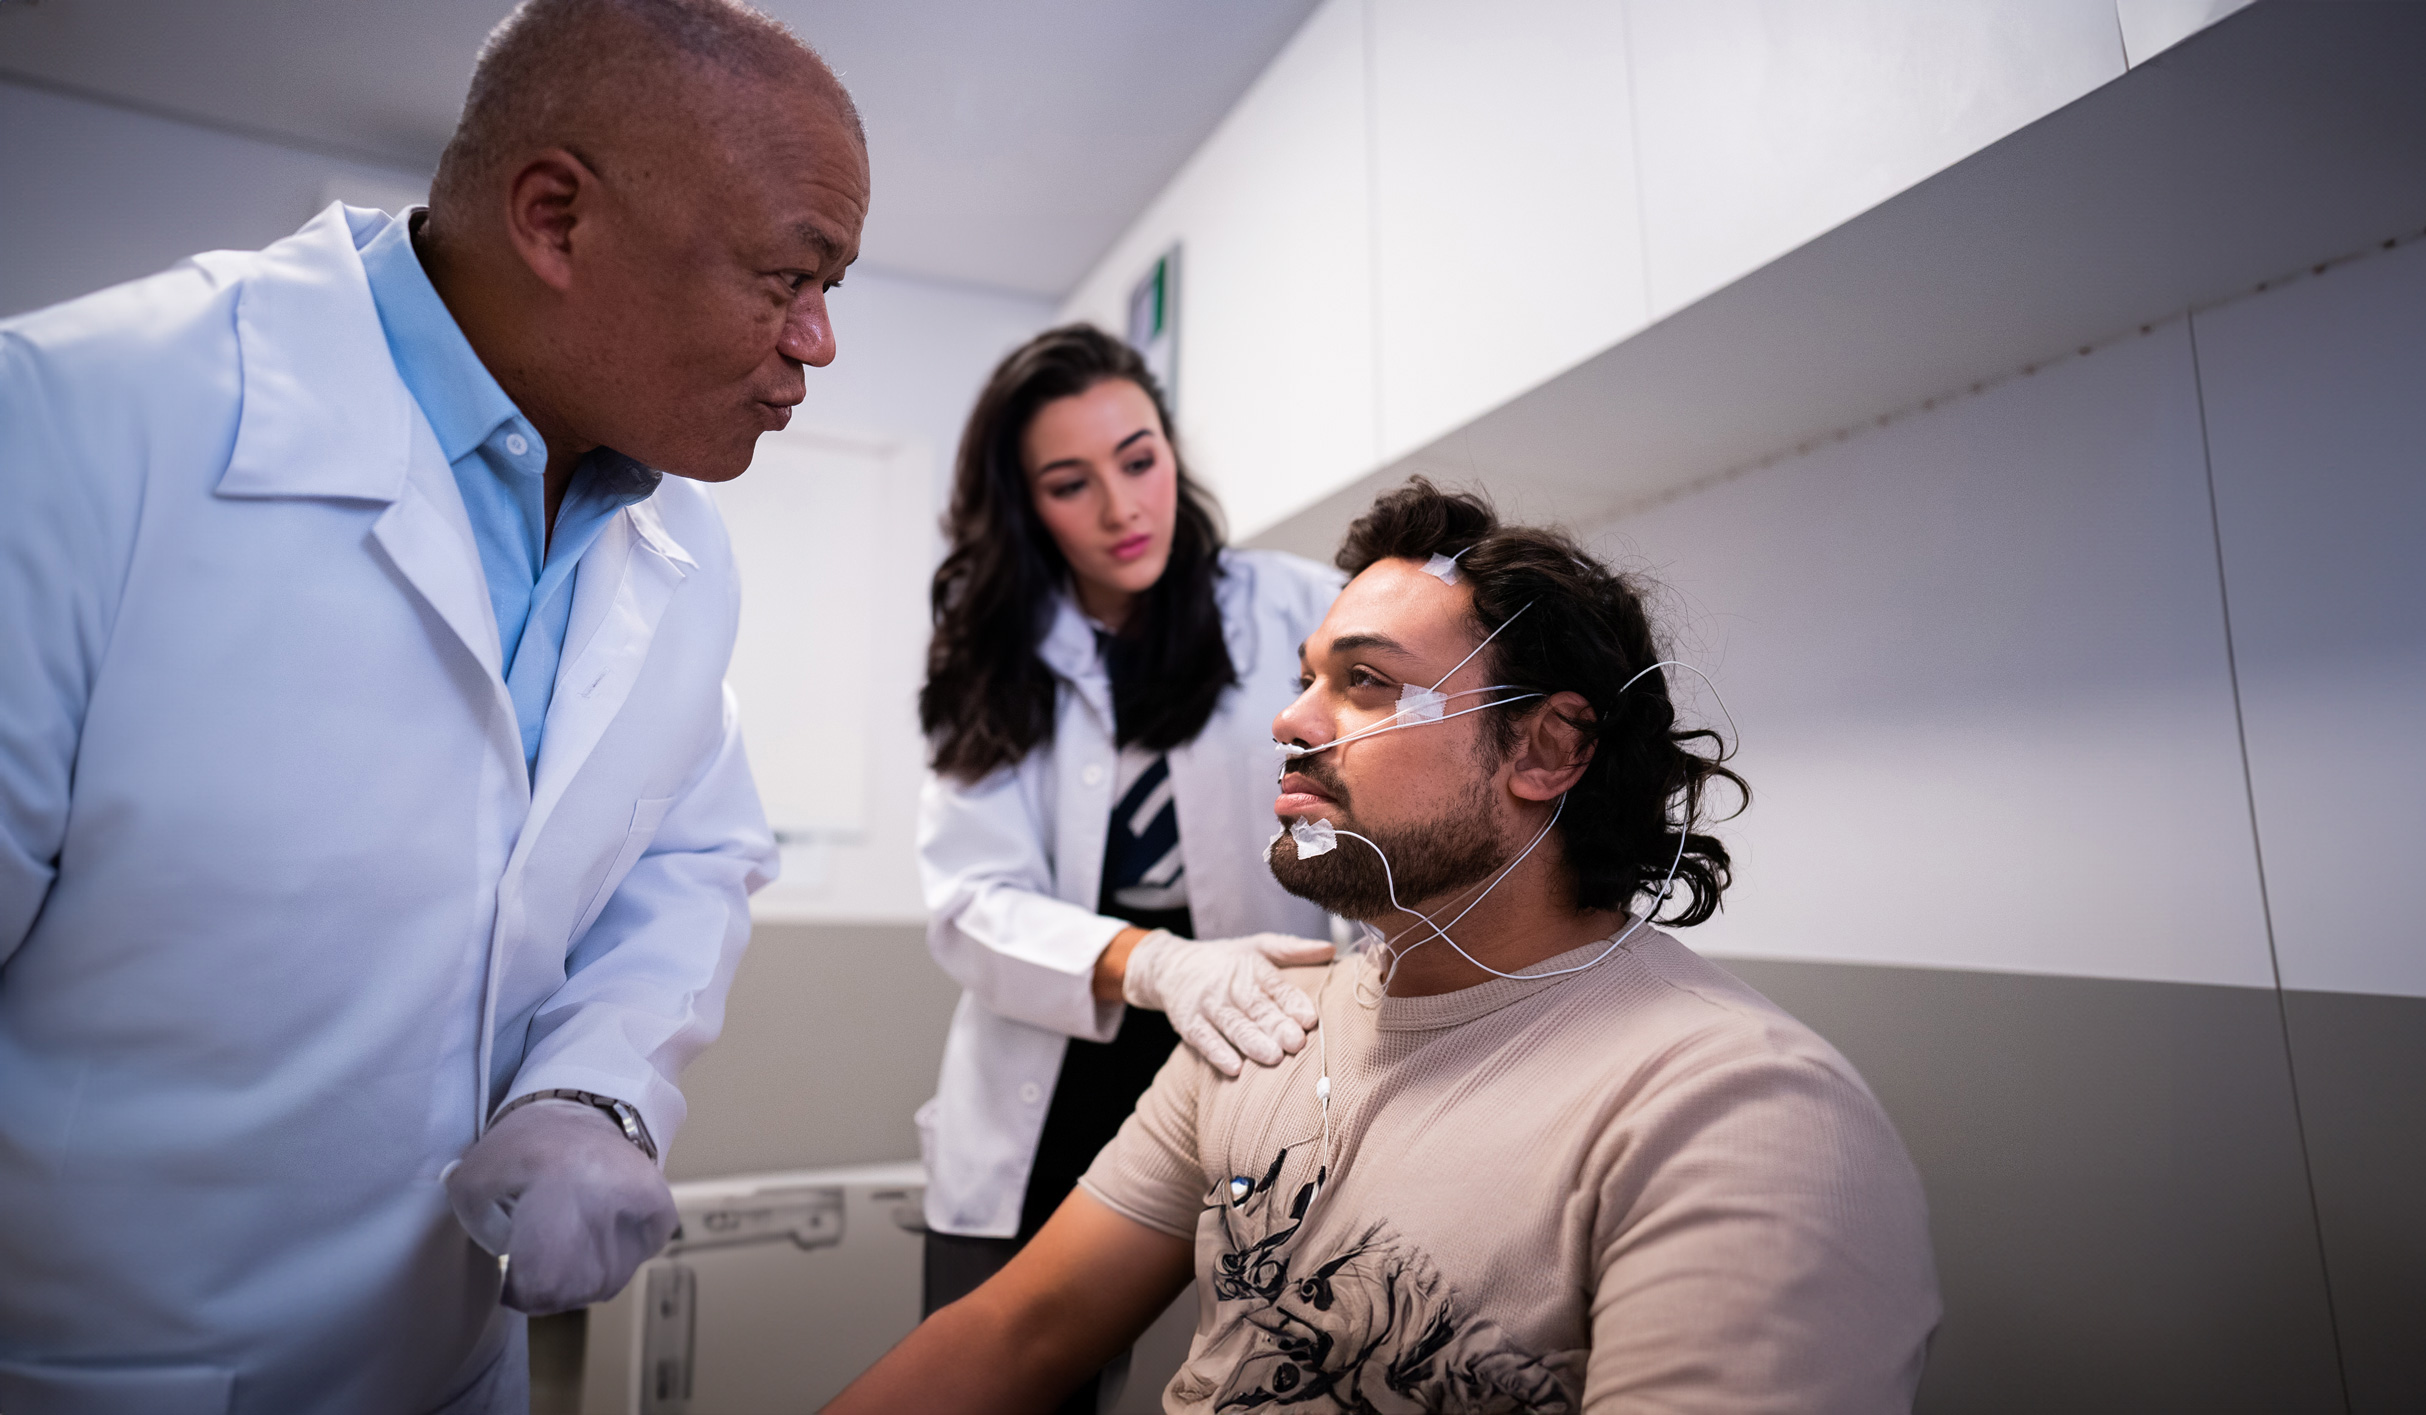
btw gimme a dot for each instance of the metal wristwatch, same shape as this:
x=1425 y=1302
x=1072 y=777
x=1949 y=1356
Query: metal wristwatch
x=625 y=1115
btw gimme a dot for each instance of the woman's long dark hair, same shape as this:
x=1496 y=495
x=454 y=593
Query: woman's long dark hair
x=988 y=699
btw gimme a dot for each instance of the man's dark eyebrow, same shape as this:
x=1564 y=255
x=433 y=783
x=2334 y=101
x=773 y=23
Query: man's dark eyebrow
x=1357 y=643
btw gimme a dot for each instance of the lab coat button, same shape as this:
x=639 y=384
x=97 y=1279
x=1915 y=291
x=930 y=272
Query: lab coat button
x=1031 y=1092
x=1093 y=776
x=516 y=443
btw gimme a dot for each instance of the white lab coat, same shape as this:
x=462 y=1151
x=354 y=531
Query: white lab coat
x=1012 y=869
x=281 y=914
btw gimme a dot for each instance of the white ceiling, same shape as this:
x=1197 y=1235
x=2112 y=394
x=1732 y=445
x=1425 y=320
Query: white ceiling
x=1011 y=142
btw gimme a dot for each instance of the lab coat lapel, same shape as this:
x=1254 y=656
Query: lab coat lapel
x=325 y=414
x=626 y=579
x=427 y=535
x=1068 y=648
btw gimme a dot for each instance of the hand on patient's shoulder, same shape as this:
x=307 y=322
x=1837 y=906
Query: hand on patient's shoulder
x=572 y=1205
x=1225 y=996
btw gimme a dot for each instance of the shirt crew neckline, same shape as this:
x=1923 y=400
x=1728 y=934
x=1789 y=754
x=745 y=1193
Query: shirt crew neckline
x=1455 y=1009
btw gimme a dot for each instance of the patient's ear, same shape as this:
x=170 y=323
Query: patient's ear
x=1552 y=748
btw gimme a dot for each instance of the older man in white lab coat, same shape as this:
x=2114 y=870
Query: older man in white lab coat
x=375 y=834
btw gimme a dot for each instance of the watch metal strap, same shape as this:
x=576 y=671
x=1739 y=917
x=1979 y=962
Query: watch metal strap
x=625 y=1115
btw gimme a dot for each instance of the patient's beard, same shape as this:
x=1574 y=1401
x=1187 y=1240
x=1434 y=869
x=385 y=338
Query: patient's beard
x=1427 y=861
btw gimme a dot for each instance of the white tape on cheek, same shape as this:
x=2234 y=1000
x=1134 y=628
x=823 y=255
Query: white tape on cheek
x=1442 y=568
x=1316 y=837
x=1420 y=704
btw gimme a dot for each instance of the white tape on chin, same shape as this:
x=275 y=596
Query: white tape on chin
x=1315 y=837
x=1442 y=568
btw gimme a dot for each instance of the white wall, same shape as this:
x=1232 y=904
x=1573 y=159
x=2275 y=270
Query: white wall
x=911 y=357
x=91 y=194
x=835 y=527
x=1426 y=208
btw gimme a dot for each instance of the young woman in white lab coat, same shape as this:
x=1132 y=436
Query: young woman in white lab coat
x=1098 y=708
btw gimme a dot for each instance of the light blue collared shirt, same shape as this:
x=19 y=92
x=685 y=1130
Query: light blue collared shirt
x=500 y=466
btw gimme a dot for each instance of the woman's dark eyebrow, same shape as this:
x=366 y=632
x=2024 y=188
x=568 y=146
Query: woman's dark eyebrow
x=1117 y=449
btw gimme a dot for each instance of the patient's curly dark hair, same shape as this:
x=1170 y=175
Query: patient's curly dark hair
x=1586 y=633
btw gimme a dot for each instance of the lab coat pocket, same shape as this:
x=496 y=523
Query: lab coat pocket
x=27 y=1389
x=645 y=817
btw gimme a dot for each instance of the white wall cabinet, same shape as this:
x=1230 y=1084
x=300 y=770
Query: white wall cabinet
x=1272 y=216
x=1508 y=246
x=1766 y=122
x=1426 y=208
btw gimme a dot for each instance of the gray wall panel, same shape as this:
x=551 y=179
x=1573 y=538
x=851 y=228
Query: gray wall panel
x=830 y=1042
x=2115 y=1185
x=2317 y=435
x=1989 y=638
x=2361 y=1064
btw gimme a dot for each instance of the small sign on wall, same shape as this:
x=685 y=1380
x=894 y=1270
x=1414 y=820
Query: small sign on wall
x=1154 y=323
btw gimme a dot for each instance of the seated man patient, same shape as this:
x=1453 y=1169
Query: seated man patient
x=1538 y=1155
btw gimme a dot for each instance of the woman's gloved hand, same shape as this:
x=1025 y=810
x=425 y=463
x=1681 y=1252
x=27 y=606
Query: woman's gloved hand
x=1225 y=996
x=573 y=1206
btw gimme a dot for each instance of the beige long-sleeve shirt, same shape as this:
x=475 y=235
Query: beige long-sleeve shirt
x=1641 y=1187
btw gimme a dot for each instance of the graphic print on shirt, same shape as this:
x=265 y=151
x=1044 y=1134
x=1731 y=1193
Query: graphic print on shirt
x=1372 y=1328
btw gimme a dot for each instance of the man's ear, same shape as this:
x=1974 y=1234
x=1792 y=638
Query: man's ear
x=549 y=196
x=1552 y=748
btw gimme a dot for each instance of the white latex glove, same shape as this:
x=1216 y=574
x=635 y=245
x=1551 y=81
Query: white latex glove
x=573 y=1206
x=1225 y=996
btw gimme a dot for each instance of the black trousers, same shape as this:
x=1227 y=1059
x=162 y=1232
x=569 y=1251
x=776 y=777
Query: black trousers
x=1098 y=1087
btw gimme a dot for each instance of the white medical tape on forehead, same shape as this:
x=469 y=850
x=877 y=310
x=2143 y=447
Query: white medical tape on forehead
x=1443 y=567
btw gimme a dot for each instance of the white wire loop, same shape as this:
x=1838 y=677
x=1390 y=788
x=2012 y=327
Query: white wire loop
x=1319 y=837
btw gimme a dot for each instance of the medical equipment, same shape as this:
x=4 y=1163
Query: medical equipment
x=1424 y=705
x=777 y=1290
x=1444 y=567
x=1315 y=838
x=780 y=1289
